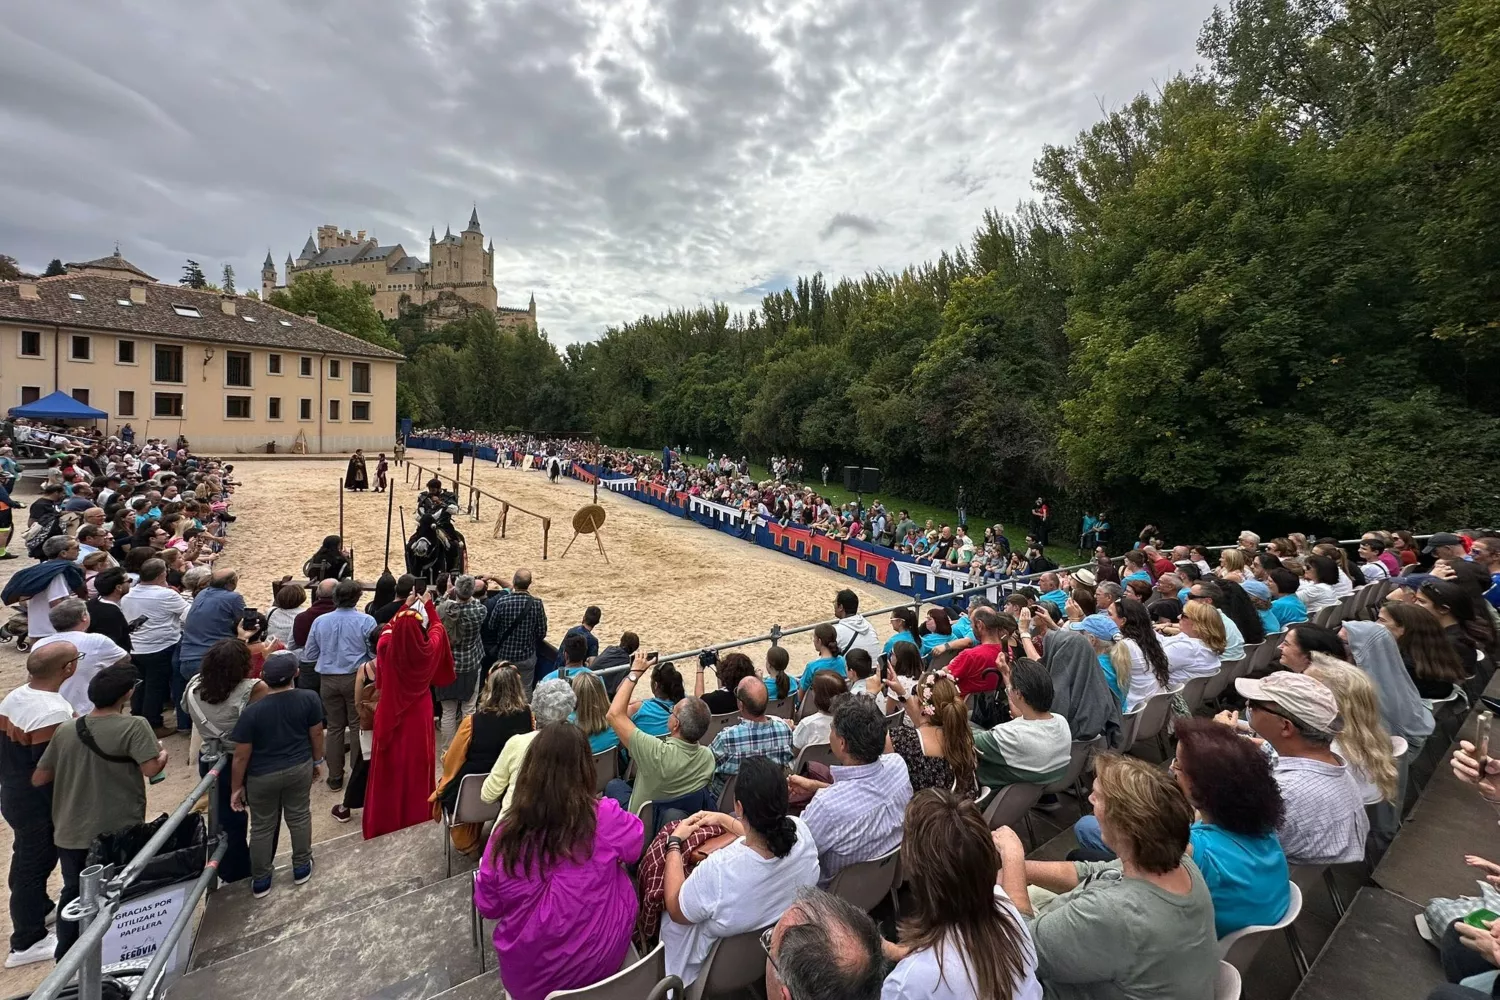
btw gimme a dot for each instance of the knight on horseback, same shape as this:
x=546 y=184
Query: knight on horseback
x=436 y=546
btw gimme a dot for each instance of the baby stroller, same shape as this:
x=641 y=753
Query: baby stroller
x=15 y=628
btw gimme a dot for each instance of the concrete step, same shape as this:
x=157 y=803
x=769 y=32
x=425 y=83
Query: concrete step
x=408 y=947
x=485 y=986
x=350 y=874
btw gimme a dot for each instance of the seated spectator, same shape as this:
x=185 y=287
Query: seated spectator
x=1242 y=626
x=1325 y=821
x=828 y=658
x=969 y=667
x=745 y=885
x=1228 y=781
x=1285 y=605
x=903 y=629
x=1036 y=744
x=666 y=769
x=574 y=654
x=1195 y=644
x=962 y=936
x=1141 y=926
x=1372 y=565
x=823 y=948
x=1135 y=567
x=1150 y=673
x=757 y=735
x=815 y=726
x=559 y=844
x=1260 y=599
x=1469 y=633
x=1052 y=591
x=501 y=713
x=650 y=715
x=1080 y=692
x=936 y=630
x=591 y=707
x=1231 y=565
x=616 y=656
x=1376 y=651
x=552 y=701
x=937 y=746
x=1316 y=591
x=1364 y=743
x=858 y=817
x=1305 y=639
x=1110 y=652
x=1430 y=659
x=730 y=670
x=779 y=683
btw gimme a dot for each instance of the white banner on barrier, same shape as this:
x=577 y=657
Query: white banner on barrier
x=618 y=485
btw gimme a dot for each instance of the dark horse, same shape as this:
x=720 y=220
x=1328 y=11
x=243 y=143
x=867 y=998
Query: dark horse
x=436 y=546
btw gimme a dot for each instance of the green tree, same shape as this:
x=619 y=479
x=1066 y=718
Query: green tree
x=192 y=276
x=228 y=282
x=54 y=268
x=9 y=270
x=344 y=307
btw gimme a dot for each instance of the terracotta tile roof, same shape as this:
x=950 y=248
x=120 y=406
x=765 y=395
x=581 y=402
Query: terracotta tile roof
x=113 y=262
x=255 y=324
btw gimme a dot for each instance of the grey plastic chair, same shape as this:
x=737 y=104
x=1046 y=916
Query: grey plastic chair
x=1227 y=986
x=469 y=807
x=1079 y=755
x=606 y=768
x=733 y=965
x=717 y=724
x=782 y=708
x=820 y=753
x=867 y=883
x=1011 y=805
x=640 y=978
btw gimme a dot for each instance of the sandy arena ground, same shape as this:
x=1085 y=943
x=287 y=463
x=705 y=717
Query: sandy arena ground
x=675 y=583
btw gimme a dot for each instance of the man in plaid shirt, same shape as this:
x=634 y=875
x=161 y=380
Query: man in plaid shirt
x=759 y=735
x=515 y=624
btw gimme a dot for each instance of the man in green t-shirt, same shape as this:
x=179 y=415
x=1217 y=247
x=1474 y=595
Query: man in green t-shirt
x=666 y=768
x=97 y=767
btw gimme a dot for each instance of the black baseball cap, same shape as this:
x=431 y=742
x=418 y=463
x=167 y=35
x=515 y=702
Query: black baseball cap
x=1440 y=539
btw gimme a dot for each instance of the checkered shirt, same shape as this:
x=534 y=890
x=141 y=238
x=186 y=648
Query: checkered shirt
x=770 y=737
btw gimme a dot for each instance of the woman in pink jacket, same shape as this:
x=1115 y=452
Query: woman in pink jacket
x=554 y=875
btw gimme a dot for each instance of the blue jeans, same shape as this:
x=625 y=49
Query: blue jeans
x=1086 y=831
x=619 y=789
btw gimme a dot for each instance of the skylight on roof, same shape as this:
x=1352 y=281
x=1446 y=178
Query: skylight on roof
x=250 y=319
x=188 y=311
x=75 y=296
x=285 y=322
x=123 y=302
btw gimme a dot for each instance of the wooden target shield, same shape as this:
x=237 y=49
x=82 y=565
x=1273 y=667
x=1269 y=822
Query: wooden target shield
x=587 y=520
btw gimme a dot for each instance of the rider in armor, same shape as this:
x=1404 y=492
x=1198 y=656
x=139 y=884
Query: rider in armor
x=436 y=502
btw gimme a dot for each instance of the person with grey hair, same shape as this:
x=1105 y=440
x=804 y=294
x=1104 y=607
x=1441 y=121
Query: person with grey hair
x=1106 y=594
x=823 y=948
x=195 y=579
x=70 y=619
x=65 y=580
x=667 y=769
x=463 y=618
x=552 y=701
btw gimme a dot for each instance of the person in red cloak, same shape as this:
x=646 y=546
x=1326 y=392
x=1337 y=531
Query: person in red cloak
x=410 y=658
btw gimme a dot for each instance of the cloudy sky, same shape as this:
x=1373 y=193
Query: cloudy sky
x=626 y=156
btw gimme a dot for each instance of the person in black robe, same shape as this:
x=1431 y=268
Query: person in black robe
x=355 y=477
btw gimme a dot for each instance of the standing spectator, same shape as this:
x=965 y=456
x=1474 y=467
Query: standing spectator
x=824 y=948
x=591 y=618
x=307 y=675
x=463 y=617
x=29 y=717
x=851 y=631
x=337 y=643
x=278 y=751
x=515 y=623
x=962 y=936
x=1325 y=821
x=741 y=887
x=669 y=768
x=155 y=641
x=757 y=735
x=559 y=844
x=858 y=817
x=47 y=584
x=1041 y=521
x=215 y=615
x=71 y=620
x=1486 y=553
x=105 y=616
x=215 y=699
x=97 y=766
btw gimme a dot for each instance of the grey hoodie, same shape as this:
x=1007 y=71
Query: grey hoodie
x=856 y=633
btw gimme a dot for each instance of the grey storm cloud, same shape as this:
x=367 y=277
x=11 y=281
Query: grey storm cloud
x=625 y=155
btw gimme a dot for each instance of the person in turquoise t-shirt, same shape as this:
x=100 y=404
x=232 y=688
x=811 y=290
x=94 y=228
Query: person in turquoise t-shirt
x=779 y=683
x=1287 y=606
x=904 y=625
x=825 y=644
x=650 y=716
x=1260 y=599
x=938 y=632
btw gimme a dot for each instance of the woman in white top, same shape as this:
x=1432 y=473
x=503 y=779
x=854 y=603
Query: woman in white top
x=744 y=886
x=814 y=728
x=1195 y=644
x=962 y=937
x=1318 y=581
x=1150 y=671
x=279 y=623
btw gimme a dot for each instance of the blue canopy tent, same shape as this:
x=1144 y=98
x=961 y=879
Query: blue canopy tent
x=58 y=407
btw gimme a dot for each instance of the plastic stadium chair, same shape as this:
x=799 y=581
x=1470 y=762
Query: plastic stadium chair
x=820 y=753
x=1079 y=755
x=467 y=808
x=782 y=708
x=1240 y=948
x=606 y=768
x=639 y=978
x=1012 y=805
x=717 y=724
x=867 y=883
x=733 y=964
x=1227 y=986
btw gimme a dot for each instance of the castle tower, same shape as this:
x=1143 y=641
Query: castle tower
x=471 y=254
x=309 y=251
x=267 y=277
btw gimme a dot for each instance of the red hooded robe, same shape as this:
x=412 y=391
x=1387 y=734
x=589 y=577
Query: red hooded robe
x=408 y=662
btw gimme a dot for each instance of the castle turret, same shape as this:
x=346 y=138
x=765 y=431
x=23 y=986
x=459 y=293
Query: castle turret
x=309 y=251
x=267 y=276
x=473 y=221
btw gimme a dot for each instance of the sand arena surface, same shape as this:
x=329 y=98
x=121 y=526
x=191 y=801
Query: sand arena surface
x=675 y=583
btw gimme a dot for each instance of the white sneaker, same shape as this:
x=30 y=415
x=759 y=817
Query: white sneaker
x=39 y=952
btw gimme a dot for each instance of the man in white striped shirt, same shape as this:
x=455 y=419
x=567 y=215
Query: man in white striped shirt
x=859 y=817
x=1325 y=821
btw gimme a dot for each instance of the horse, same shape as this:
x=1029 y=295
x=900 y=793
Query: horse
x=436 y=547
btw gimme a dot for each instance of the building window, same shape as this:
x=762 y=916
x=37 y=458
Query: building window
x=359 y=409
x=167 y=404
x=333 y=368
x=305 y=369
x=273 y=408
x=333 y=409
x=30 y=394
x=82 y=396
x=31 y=343
x=237 y=368
x=168 y=365
x=273 y=364
x=304 y=409
x=237 y=407
x=81 y=348
x=190 y=312
x=126 y=405
x=125 y=352
x=359 y=376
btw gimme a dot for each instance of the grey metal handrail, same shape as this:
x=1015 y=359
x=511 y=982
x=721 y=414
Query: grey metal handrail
x=159 y=961
x=99 y=901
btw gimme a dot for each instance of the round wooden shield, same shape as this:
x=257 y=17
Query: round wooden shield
x=588 y=519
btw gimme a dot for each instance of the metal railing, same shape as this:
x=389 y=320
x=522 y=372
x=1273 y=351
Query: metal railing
x=100 y=899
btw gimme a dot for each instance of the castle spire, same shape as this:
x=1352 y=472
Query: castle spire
x=432 y=236
x=447 y=232
x=473 y=220
x=269 y=262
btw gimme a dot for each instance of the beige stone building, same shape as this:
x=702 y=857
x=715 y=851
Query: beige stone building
x=460 y=271
x=230 y=373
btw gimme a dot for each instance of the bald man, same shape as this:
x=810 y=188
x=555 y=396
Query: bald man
x=29 y=716
x=824 y=948
x=756 y=735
